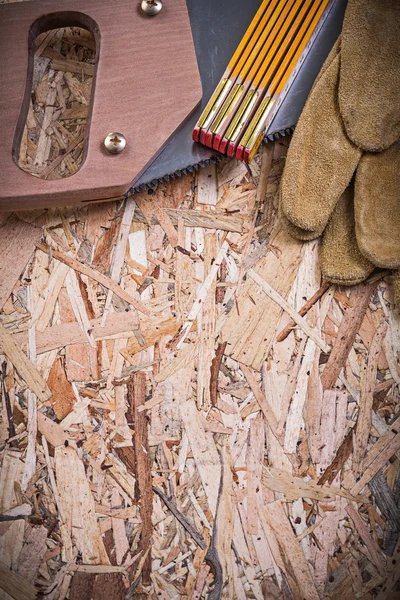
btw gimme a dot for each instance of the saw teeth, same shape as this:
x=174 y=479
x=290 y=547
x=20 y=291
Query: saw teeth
x=271 y=137
x=151 y=185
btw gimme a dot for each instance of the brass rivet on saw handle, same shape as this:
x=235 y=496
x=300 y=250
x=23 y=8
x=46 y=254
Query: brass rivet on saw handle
x=151 y=7
x=115 y=142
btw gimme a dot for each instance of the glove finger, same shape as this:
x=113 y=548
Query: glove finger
x=296 y=232
x=341 y=260
x=370 y=74
x=321 y=160
x=377 y=207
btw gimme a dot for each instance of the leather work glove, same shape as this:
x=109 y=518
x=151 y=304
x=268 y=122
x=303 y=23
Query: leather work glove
x=342 y=173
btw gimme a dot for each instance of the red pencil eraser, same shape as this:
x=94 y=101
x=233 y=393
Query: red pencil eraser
x=239 y=152
x=196 y=134
x=209 y=139
x=217 y=139
x=246 y=156
x=231 y=149
x=223 y=144
x=203 y=136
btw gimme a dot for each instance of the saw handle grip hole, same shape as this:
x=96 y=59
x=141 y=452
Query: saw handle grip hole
x=52 y=132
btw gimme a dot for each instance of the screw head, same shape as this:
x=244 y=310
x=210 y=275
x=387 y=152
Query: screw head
x=151 y=7
x=115 y=142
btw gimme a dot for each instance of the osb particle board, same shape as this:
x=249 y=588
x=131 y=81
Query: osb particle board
x=177 y=447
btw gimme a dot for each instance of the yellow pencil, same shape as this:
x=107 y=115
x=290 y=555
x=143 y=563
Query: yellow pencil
x=254 y=97
x=274 y=33
x=276 y=14
x=249 y=64
x=225 y=84
x=254 y=134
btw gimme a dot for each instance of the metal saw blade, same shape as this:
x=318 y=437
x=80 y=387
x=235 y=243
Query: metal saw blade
x=217 y=27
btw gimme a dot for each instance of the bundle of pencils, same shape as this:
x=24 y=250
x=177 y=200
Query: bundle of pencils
x=259 y=76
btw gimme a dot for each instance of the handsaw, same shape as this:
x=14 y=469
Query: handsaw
x=217 y=28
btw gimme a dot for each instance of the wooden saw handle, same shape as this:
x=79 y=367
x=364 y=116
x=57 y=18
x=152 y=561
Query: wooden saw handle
x=146 y=84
